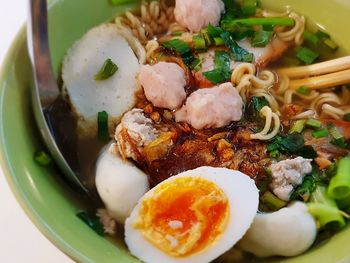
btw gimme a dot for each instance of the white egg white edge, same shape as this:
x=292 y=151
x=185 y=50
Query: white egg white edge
x=243 y=197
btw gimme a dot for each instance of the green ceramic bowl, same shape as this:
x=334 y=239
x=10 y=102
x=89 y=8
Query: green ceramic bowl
x=47 y=200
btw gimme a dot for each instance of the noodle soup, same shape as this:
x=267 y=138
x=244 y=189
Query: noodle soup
x=200 y=107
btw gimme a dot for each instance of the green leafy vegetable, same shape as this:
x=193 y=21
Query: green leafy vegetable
x=262 y=38
x=305 y=190
x=259 y=103
x=107 y=70
x=102 y=124
x=306 y=55
x=182 y=48
x=274 y=154
x=238 y=53
x=341 y=143
x=42 y=158
x=92 y=221
x=232 y=10
x=249 y=7
x=221 y=71
x=292 y=144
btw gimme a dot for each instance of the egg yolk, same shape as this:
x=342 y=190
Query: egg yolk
x=184 y=216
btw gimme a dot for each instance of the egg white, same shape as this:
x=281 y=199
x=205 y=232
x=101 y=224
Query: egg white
x=119 y=183
x=243 y=198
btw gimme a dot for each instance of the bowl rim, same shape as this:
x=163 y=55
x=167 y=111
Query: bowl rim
x=5 y=164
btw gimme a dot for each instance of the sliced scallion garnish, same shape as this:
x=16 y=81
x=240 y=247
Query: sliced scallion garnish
x=108 y=69
x=306 y=55
x=320 y=133
x=42 y=158
x=232 y=25
x=102 y=124
x=313 y=123
x=303 y=90
x=92 y=221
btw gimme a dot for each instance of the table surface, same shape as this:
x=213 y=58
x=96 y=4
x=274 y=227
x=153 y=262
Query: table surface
x=20 y=240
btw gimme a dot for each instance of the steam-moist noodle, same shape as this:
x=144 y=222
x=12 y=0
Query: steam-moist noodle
x=213 y=101
x=155 y=18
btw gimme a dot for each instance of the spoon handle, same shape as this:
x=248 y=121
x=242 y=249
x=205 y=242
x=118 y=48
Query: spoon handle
x=51 y=112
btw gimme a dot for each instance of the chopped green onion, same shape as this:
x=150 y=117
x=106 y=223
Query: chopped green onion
x=298 y=126
x=108 y=69
x=334 y=131
x=249 y=7
x=339 y=186
x=306 y=55
x=341 y=143
x=303 y=90
x=322 y=35
x=238 y=53
x=330 y=44
x=307 y=187
x=272 y=202
x=232 y=10
x=325 y=210
x=42 y=158
x=321 y=133
x=313 y=123
x=182 y=48
x=199 y=43
x=102 y=124
x=92 y=221
x=218 y=41
x=262 y=38
x=346 y=117
x=311 y=38
x=259 y=103
x=214 y=31
x=232 y=25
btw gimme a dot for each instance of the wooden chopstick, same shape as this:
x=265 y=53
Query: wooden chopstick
x=326 y=67
x=323 y=81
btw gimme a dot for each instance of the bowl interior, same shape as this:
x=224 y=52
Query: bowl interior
x=49 y=202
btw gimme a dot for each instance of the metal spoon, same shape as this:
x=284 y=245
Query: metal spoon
x=51 y=111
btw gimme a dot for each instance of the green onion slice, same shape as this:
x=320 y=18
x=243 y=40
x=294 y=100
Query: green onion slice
x=107 y=70
x=102 y=124
x=42 y=158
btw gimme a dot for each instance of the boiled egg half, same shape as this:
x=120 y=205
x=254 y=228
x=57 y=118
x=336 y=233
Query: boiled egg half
x=194 y=216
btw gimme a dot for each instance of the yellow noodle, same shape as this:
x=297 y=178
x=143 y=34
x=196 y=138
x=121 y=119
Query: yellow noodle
x=269 y=116
x=150 y=47
x=304 y=115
